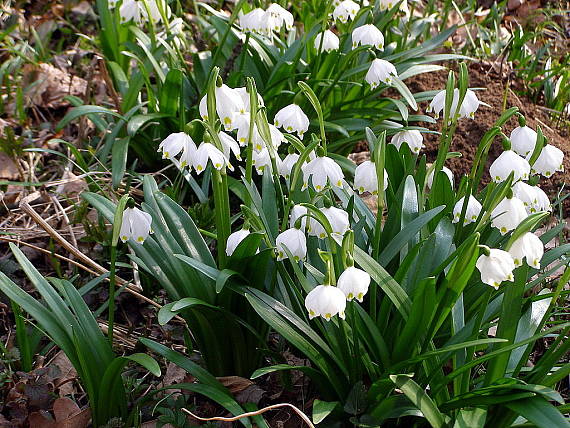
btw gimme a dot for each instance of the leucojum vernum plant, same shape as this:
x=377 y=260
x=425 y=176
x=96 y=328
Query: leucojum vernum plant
x=391 y=303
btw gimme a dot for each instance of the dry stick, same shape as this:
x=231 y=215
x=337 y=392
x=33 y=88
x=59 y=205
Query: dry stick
x=25 y=206
x=255 y=413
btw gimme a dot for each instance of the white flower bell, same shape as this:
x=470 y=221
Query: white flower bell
x=472 y=211
x=508 y=214
x=330 y=41
x=261 y=160
x=235 y=239
x=292 y=119
x=228 y=105
x=445 y=170
x=366 y=178
x=380 y=71
x=346 y=10
x=321 y=169
x=468 y=107
x=496 y=267
x=354 y=283
x=523 y=140
x=325 y=301
x=297 y=212
x=253 y=21
x=533 y=197
x=509 y=162
x=282 y=16
x=529 y=247
x=367 y=34
x=172 y=145
x=286 y=166
x=549 y=161
x=203 y=107
x=136 y=225
x=338 y=220
x=296 y=243
x=130 y=10
x=205 y=152
x=155 y=10
x=229 y=145
x=413 y=138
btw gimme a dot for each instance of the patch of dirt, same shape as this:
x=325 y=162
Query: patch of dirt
x=469 y=132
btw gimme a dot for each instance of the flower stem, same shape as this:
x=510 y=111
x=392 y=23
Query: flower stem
x=112 y=283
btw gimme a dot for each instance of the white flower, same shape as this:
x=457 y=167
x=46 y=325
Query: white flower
x=281 y=15
x=354 y=283
x=337 y=218
x=413 y=138
x=380 y=71
x=468 y=107
x=549 y=161
x=130 y=10
x=229 y=145
x=228 y=105
x=136 y=225
x=345 y=10
x=495 y=268
x=175 y=143
x=254 y=21
x=203 y=107
x=508 y=162
x=325 y=301
x=155 y=9
x=277 y=138
x=292 y=119
x=321 y=169
x=286 y=166
x=367 y=34
x=296 y=212
x=366 y=178
x=523 y=140
x=529 y=247
x=235 y=239
x=472 y=212
x=444 y=169
x=533 y=197
x=508 y=214
x=261 y=160
x=330 y=41
x=208 y=151
x=295 y=242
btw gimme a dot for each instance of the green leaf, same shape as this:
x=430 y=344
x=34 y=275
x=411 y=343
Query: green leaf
x=539 y=412
x=119 y=160
x=471 y=418
x=321 y=409
x=139 y=120
x=87 y=110
x=146 y=361
x=420 y=399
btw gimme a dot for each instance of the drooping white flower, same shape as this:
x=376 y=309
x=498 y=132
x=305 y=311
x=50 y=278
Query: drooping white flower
x=495 y=268
x=330 y=42
x=509 y=162
x=205 y=152
x=444 y=169
x=549 y=161
x=523 y=140
x=346 y=10
x=261 y=161
x=389 y=4
x=338 y=220
x=295 y=241
x=322 y=169
x=508 y=214
x=286 y=166
x=175 y=143
x=235 y=239
x=413 y=138
x=277 y=138
x=529 y=247
x=136 y=225
x=229 y=145
x=325 y=301
x=354 y=283
x=472 y=212
x=367 y=34
x=282 y=16
x=246 y=99
x=228 y=105
x=366 y=178
x=468 y=107
x=380 y=71
x=533 y=197
x=297 y=212
x=130 y=10
x=254 y=21
x=154 y=8
x=292 y=119
x=203 y=107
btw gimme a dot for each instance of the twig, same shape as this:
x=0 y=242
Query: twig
x=255 y=413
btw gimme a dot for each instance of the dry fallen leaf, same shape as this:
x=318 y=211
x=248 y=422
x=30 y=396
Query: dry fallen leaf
x=49 y=85
x=64 y=382
x=67 y=415
x=8 y=168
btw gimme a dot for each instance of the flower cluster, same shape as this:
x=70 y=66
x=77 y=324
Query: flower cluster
x=265 y=22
